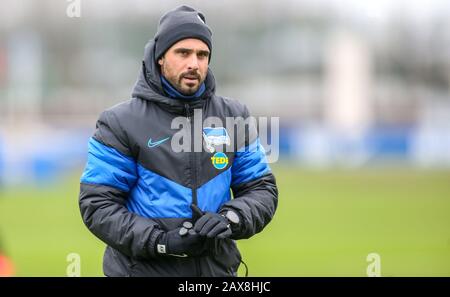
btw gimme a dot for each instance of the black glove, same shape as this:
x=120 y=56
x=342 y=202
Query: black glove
x=213 y=225
x=180 y=244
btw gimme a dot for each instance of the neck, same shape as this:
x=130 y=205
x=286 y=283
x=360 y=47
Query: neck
x=174 y=93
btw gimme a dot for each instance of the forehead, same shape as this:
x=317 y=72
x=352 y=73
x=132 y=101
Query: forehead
x=190 y=43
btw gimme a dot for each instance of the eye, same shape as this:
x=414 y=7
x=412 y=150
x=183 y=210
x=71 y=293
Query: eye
x=203 y=55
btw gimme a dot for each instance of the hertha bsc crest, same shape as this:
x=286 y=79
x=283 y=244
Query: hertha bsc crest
x=215 y=136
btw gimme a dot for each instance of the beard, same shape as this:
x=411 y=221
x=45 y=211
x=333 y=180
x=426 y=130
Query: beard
x=187 y=83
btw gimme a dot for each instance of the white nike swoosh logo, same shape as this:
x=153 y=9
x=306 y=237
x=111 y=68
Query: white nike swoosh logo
x=156 y=143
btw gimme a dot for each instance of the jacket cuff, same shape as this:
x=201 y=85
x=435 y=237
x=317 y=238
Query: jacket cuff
x=156 y=234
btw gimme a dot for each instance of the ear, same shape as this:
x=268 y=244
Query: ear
x=160 y=61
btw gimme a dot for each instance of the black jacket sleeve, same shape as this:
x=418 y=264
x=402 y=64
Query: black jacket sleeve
x=109 y=175
x=255 y=202
x=255 y=193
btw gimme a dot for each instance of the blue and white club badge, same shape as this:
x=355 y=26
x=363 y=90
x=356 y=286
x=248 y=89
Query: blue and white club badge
x=214 y=136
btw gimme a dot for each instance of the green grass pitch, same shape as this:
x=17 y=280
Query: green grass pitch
x=326 y=224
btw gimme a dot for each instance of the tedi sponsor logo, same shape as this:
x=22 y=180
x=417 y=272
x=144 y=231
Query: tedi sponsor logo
x=219 y=160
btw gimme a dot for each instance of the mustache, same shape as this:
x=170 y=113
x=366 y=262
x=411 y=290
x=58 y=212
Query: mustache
x=190 y=74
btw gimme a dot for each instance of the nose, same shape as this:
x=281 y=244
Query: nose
x=192 y=62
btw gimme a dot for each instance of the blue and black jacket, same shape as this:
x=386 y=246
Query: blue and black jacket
x=135 y=186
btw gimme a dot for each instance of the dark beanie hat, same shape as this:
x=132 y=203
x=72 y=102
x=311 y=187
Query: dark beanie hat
x=181 y=23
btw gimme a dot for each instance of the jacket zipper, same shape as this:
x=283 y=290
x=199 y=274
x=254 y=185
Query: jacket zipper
x=192 y=156
x=193 y=163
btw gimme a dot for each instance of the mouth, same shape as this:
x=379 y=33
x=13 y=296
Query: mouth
x=190 y=81
x=190 y=78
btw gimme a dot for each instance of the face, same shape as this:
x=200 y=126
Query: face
x=185 y=65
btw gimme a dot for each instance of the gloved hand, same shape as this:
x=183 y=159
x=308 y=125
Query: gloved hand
x=180 y=244
x=213 y=225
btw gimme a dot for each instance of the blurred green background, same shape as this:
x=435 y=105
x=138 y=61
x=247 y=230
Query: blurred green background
x=326 y=224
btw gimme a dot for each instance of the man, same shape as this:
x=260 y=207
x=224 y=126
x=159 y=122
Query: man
x=164 y=211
